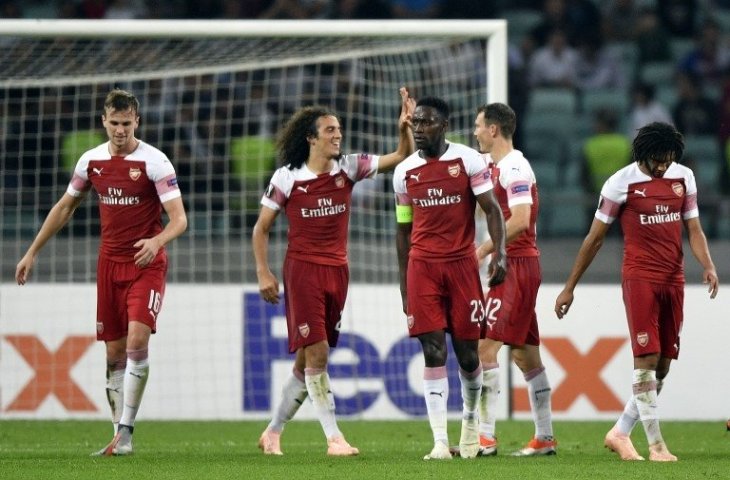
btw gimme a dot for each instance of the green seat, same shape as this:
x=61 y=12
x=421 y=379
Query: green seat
x=74 y=144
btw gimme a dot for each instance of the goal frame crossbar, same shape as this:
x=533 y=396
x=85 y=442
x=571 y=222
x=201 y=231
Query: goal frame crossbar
x=494 y=32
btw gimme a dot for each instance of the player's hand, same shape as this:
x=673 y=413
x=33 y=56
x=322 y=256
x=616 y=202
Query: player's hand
x=23 y=269
x=563 y=303
x=408 y=106
x=497 y=269
x=148 y=248
x=709 y=277
x=268 y=287
x=483 y=251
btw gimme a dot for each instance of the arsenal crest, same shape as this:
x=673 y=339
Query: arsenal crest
x=339 y=182
x=99 y=327
x=304 y=330
x=642 y=338
x=134 y=173
x=454 y=170
x=411 y=321
x=678 y=189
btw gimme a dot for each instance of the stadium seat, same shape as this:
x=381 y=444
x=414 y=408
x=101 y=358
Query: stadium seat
x=548 y=174
x=614 y=99
x=667 y=95
x=74 y=144
x=553 y=100
x=520 y=22
x=657 y=73
x=628 y=53
x=566 y=215
x=702 y=154
x=680 y=47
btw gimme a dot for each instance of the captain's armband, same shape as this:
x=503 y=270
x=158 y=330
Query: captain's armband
x=404 y=214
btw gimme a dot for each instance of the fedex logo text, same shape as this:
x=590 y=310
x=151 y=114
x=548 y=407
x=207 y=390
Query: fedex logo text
x=389 y=362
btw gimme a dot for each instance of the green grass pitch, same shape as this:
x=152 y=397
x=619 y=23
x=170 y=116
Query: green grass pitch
x=389 y=450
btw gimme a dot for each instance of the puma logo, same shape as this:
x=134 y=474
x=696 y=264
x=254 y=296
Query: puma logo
x=640 y=192
x=97 y=170
x=303 y=189
x=440 y=394
x=416 y=177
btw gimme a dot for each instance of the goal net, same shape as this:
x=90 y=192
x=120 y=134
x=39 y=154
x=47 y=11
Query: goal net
x=213 y=95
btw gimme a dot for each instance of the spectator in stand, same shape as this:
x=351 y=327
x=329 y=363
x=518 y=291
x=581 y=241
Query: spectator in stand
x=416 y=8
x=91 y=9
x=620 y=20
x=710 y=57
x=555 y=64
x=679 y=17
x=694 y=113
x=553 y=18
x=469 y=9
x=126 y=10
x=571 y=16
x=604 y=152
x=11 y=9
x=598 y=67
x=645 y=109
x=299 y=9
x=724 y=112
x=363 y=9
x=652 y=39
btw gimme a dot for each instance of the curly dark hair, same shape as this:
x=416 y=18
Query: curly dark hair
x=658 y=141
x=292 y=141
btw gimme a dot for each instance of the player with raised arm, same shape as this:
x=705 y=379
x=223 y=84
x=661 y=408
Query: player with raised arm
x=437 y=189
x=314 y=189
x=510 y=306
x=652 y=198
x=134 y=182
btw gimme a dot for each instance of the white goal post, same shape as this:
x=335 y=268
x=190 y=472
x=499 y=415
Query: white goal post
x=203 y=87
x=213 y=94
x=494 y=31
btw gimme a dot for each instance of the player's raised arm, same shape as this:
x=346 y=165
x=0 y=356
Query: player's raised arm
x=406 y=145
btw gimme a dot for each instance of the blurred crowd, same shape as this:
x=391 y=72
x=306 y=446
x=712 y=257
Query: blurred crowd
x=607 y=66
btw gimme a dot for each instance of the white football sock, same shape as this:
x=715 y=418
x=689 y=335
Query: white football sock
x=135 y=380
x=645 y=397
x=488 y=400
x=293 y=394
x=115 y=394
x=318 y=388
x=471 y=389
x=539 y=391
x=436 y=393
x=630 y=415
